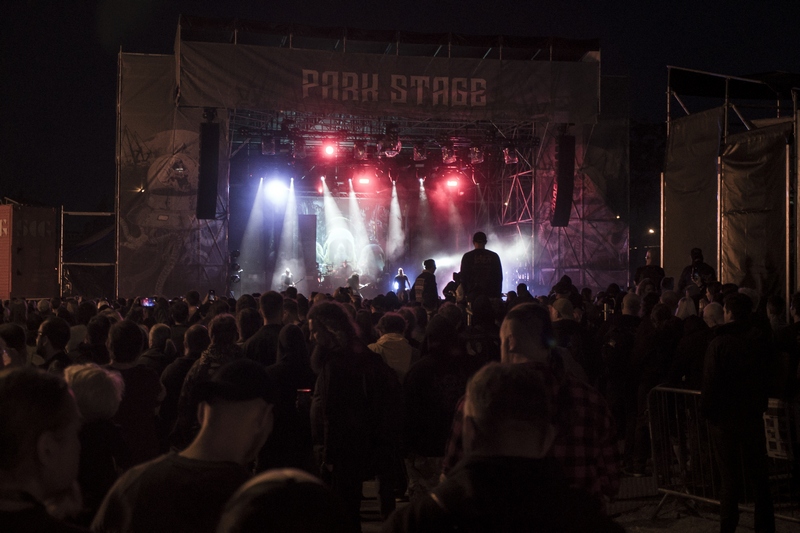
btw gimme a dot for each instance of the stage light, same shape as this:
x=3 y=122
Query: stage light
x=510 y=155
x=452 y=183
x=651 y=231
x=276 y=191
x=420 y=153
x=360 y=150
x=390 y=145
x=363 y=181
x=449 y=154
x=475 y=155
x=390 y=148
x=329 y=149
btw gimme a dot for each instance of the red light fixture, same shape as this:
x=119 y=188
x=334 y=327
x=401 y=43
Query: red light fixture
x=363 y=181
x=452 y=183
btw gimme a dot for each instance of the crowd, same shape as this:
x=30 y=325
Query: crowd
x=268 y=412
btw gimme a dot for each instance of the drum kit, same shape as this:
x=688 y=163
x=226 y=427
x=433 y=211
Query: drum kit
x=330 y=278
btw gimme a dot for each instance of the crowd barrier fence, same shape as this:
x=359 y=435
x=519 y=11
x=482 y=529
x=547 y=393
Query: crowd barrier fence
x=683 y=455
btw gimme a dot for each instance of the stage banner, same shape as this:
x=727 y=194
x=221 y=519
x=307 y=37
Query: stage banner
x=237 y=76
x=690 y=190
x=754 y=209
x=163 y=248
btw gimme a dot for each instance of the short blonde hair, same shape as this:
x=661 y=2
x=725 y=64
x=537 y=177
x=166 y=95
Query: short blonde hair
x=98 y=392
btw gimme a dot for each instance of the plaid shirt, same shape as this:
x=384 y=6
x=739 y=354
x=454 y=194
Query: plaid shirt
x=584 y=446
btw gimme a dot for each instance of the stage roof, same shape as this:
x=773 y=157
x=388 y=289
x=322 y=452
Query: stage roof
x=765 y=86
x=387 y=42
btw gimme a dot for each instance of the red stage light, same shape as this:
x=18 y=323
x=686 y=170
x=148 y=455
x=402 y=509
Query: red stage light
x=452 y=183
x=329 y=149
x=363 y=181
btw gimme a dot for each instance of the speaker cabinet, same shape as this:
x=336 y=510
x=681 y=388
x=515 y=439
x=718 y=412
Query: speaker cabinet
x=209 y=171
x=565 y=181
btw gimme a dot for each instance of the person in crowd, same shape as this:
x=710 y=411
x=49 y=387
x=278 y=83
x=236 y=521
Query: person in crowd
x=263 y=346
x=39 y=439
x=524 y=295
x=482 y=336
x=652 y=356
x=286 y=500
x=86 y=310
x=788 y=349
x=223 y=349
x=136 y=415
x=451 y=290
x=196 y=341
x=248 y=321
x=366 y=329
x=697 y=272
x=51 y=342
x=291 y=313
x=735 y=396
x=44 y=309
x=193 y=301
x=617 y=348
x=187 y=491
x=161 y=351
x=98 y=392
x=686 y=308
x=584 y=443
x=568 y=334
x=686 y=370
x=481 y=270
x=433 y=387
x=179 y=315
x=290 y=444
x=424 y=290
x=509 y=480
x=14 y=338
x=776 y=312
x=94 y=349
x=650 y=270
x=393 y=347
x=352 y=415
x=246 y=301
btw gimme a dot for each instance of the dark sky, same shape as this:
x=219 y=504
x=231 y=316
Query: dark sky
x=59 y=61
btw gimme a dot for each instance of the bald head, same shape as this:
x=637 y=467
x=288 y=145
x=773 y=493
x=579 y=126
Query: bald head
x=526 y=334
x=714 y=314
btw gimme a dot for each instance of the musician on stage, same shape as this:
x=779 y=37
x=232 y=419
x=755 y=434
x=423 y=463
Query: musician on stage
x=287 y=280
x=401 y=285
x=354 y=283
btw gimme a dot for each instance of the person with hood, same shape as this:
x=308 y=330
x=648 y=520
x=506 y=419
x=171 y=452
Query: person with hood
x=290 y=442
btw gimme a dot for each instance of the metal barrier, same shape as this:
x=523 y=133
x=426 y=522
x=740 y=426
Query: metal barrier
x=683 y=455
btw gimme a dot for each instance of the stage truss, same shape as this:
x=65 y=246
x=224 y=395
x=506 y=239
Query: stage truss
x=507 y=198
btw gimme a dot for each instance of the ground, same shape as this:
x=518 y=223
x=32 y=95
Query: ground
x=636 y=505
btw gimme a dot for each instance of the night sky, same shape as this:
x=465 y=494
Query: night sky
x=59 y=62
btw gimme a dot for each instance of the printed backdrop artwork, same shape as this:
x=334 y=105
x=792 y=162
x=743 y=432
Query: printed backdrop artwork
x=164 y=249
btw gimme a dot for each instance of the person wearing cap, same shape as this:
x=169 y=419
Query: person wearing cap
x=698 y=272
x=187 y=491
x=481 y=270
